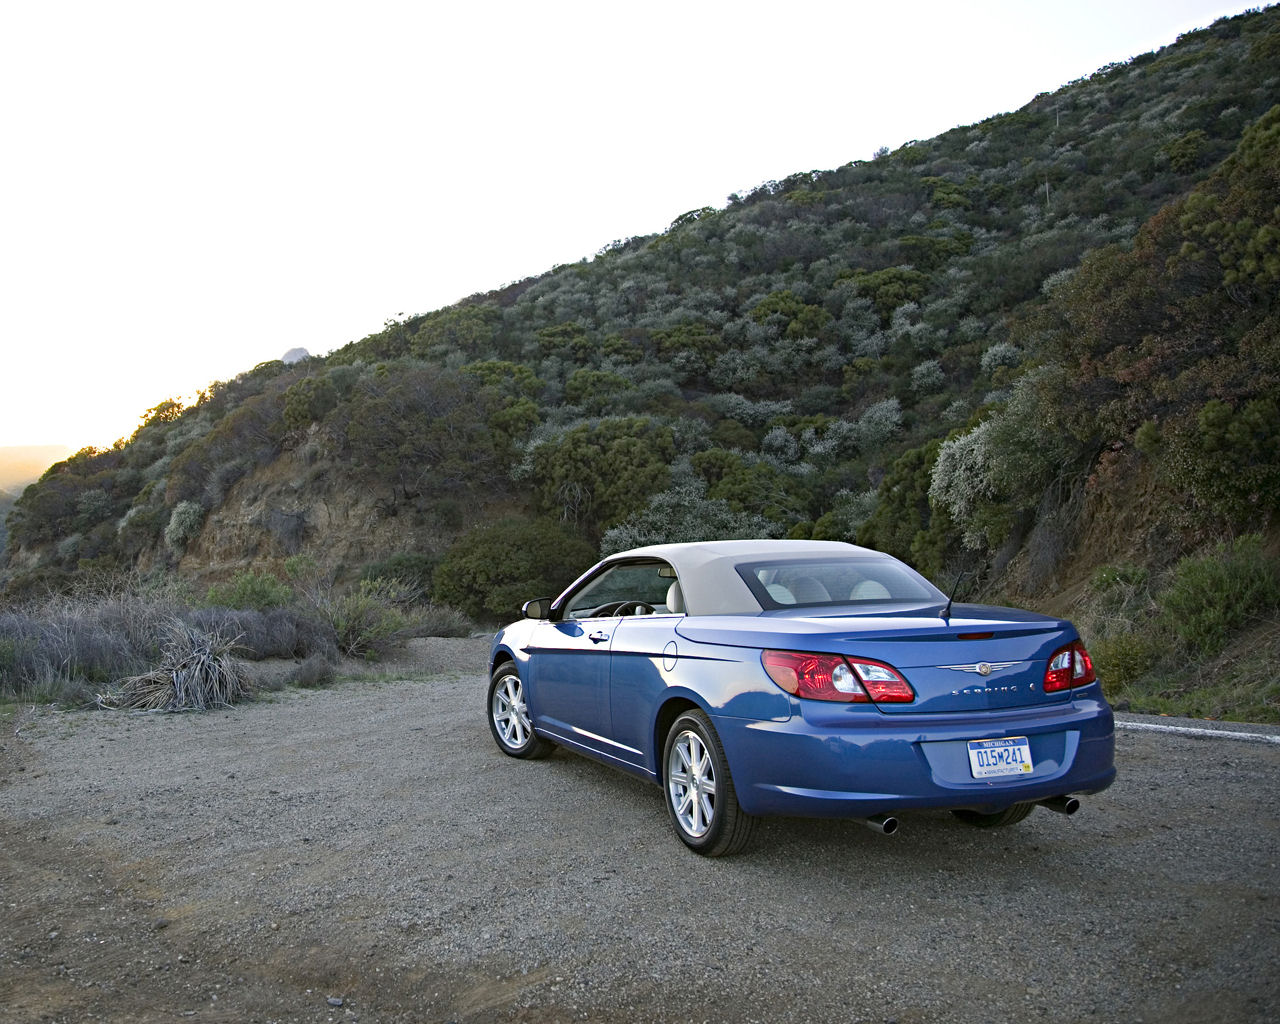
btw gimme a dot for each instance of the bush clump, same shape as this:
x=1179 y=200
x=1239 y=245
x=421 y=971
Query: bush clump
x=291 y=632
x=1198 y=640
x=409 y=568
x=367 y=621
x=64 y=647
x=492 y=570
x=441 y=620
x=249 y=589
x=184 y=524
x=1215 y=594
x=312 y=673
x=198 y=671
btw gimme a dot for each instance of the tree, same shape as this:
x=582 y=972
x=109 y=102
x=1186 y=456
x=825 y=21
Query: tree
x=569 y=341
x=890 y=288
x=165 y=412
x=691 y=348
x=512 y=380
x=462 y=329
x=596 y=474
x=595 y=391
x=761 y=488
x=494 y=568
x=794 y=317
x=928 y=377
x=904 y=522
x=308 y=401
x=421 y=428
x=685 y=514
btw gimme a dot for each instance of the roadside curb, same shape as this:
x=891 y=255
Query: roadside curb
x=1200 y=731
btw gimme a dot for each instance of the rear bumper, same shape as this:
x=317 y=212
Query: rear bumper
x=876 y=764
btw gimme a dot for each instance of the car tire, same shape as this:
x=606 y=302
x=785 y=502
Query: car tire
x=701 y=800
x=1009 y=816
x=509 y=719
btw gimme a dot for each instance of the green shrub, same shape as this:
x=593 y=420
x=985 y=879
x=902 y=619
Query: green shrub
x=410 y=569
x=1114 y=579
x=8 y=656
x=1214 y=594
x=1123 y=658
x=596 y=474
x=684 y=514
x=139 y=528
x=308 y=400
x=367 y=622
x=493 y=569
x=249 y=589
x=184 y=524
x=441 y=620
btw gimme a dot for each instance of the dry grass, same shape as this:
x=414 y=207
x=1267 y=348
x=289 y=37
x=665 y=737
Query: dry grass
x=197 y=671
x=140 y=638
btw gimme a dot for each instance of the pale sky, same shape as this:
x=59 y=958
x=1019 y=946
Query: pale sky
x=188 y=189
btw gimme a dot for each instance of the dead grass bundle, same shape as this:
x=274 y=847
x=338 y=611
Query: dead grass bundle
x=198 y=671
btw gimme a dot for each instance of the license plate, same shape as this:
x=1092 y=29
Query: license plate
x=990 y=758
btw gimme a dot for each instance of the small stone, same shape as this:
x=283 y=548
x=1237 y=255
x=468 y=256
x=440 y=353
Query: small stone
x=334 y=1001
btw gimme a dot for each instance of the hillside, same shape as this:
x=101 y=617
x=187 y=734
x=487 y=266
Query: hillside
x=24 y=464
x=1026 y=348
x=7 y=499
x=21 y=465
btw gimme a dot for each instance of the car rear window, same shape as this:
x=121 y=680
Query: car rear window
x=808 y=582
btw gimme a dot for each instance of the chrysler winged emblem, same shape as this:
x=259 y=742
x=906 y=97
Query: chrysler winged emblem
x=983 y=668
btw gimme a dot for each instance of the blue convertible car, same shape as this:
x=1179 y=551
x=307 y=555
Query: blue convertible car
x=804 y=678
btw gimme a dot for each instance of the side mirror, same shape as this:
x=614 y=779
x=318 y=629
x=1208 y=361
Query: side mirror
x=537 y=609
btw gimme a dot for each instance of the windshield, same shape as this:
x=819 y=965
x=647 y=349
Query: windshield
x=827 y=581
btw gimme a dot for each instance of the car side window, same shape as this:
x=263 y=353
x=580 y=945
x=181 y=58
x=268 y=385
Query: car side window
x=626 y=589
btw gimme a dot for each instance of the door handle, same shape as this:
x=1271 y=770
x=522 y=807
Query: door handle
x=598 y=637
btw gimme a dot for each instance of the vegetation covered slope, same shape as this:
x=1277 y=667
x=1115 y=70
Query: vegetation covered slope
x=1028 y=347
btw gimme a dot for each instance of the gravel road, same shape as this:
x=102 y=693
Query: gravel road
x=365 y=853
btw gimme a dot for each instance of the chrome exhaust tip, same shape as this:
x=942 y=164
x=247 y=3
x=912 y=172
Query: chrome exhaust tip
x=1061 y=804
x=885 y=824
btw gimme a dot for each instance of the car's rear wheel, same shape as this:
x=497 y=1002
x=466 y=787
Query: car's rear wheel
x=701 y=800
x=1009 y=816
x=509 y=719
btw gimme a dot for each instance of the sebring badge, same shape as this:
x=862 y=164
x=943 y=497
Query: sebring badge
x=985 y=668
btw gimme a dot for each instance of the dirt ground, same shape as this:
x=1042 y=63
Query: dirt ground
x=365 y=853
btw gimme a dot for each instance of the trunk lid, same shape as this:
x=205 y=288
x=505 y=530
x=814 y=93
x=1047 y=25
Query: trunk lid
x=981 y=658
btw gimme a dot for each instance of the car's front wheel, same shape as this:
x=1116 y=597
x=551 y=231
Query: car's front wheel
x=509 y=719
x=701 y=800
x=1009 y=816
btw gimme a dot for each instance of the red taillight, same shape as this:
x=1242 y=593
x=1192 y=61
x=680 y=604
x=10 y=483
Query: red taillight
x=1069 y=667
x=831 y=677
x=883 y=682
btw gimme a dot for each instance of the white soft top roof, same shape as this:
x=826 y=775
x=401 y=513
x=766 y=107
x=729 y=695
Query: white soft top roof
x=705 y=569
